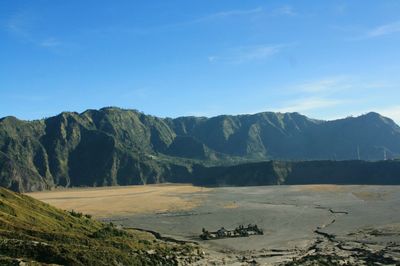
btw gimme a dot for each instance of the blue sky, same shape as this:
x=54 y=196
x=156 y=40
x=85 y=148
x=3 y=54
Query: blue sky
x=325 y=59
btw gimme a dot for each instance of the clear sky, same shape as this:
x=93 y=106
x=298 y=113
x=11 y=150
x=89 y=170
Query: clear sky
x=325 y=59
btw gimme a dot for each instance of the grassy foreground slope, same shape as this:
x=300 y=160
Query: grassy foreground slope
x=38 y=234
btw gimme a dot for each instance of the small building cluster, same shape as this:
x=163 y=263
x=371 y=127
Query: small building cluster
x=240 y=231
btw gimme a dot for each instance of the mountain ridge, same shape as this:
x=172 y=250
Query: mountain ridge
x=370 y=113
x=114 y=146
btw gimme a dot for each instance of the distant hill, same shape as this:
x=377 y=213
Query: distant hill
x=35 y=233
x=112 y=146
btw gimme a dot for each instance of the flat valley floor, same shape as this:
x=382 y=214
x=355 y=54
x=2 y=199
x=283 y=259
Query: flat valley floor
x=354 y=224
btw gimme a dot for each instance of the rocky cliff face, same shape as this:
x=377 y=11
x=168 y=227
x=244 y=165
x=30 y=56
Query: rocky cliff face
x=112 y=146
x=300 y=173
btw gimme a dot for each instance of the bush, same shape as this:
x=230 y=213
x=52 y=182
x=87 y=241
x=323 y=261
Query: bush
x=76 y=214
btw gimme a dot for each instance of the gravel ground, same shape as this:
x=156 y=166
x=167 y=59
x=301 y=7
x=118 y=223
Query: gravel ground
x=342 y=224
x=303 y=225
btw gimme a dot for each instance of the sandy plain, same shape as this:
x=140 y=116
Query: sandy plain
x=356 y=224
x=106 y=202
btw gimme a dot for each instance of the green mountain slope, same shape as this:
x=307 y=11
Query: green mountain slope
x=300 y=173
x=292 y=136
x=34 y=232
x=112 y=146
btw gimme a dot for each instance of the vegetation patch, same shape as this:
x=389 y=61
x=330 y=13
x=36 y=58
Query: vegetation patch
x=36 y=233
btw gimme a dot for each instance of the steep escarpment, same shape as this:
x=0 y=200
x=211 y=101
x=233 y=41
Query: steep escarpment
x=95 y=148
x=301 y=172
x=113 y=146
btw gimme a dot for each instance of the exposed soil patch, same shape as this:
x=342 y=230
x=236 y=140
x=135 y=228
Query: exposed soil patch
x=367 y=195
x=129 y=200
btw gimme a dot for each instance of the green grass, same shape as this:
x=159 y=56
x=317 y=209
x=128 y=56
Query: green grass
x=40 y=234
